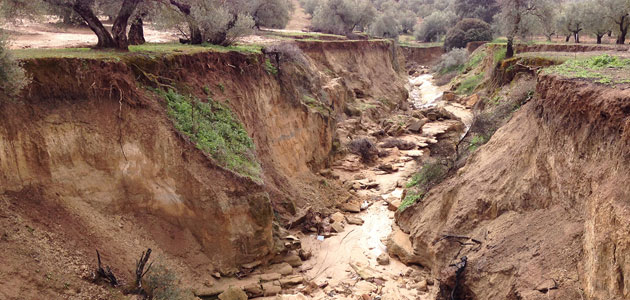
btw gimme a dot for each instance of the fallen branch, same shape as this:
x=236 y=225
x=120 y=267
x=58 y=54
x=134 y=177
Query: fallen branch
x=456 y=237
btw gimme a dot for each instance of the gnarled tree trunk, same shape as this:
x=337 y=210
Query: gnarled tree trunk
x=83 y=8
x=136 y=32
x=623 y=30
x=119 y=30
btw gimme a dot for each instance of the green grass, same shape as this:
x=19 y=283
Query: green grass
x=410 y=199
x=270 y=68
x=214 y=129
x=421 y=45
x=476 y=142
x=430 y=175
x=150 y=48
x=475 y=60
x=604 y=69
x=499 y=55
x=468 y=85
x=316 y=105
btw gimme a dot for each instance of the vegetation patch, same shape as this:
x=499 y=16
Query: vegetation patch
x=430 y=175
x=214 y=129
x=270 y=68
x=605 y=69
x=469 y=84
x=316 y=105
x=161 y=283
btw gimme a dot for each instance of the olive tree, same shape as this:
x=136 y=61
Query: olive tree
x=513 y=18
x=617 y=12
x=385 y=25
x=595 y=20
x=343 y=16
x=434 y=26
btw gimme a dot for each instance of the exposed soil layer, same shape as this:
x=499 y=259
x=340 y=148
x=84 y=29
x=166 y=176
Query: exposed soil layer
x=89 y=159
x=539 y=209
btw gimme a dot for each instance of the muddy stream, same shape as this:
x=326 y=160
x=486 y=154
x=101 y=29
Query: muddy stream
x=343 y=262
x=353 y=263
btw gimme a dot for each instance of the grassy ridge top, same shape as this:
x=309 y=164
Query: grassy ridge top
x=151 y=49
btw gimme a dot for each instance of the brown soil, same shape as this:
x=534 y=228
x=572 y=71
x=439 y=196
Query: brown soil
x=542 y=197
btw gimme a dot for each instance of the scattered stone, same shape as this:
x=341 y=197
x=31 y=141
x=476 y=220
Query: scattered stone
x=354 y=220
x=399 y=245
x=398 y=143
x=416 y=125
x=252 y=265
x=291 y=280
x=254 y=290
x=364 y=287
x=450 y=97
x=388 y=168
x=293 y=259
x=269 y=277
x=430 y=281
x=305 y=255
x=352 y=207
x=337 y=227
x=394 y=204
x=233 y=293
x=365 y=205
x=282 y=268
x=471 y=100
x=271 y=288
x=422 y=286
x=383 y=259
x=414 y=153
x=337 y=217
x=216 y=275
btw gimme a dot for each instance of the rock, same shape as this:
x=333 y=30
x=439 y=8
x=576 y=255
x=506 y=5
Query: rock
x=354 y=220
x=430 y=281
x=305 y=255
x=216 y=275
x=388 y=168
x=352 y=207
x=252 y=265
x=282 y=268
x=291 y=280
x=418 y=115
x=471 y=100
x=293 y=259
x=269 y=276
x=233 y=293
x=414 y=153
x=422 y=286
x=337 y=217
x=271 y=288
x=383 y=259
x=450 y=97
x=254 y=290
x=364 y=287
x=416 y=125
x=337 y=227
x=394 y=204
x=399 y=245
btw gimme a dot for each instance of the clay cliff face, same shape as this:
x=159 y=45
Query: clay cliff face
x=89 y=156
x=546 y=197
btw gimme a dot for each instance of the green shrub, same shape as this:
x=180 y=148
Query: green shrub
x=270 y=68
x=12 y=76
x=216 y=131
x=452 y=61
x=160 y=283
x=476 y=142
x=465 y=31
x=430 y=175
x=410 y=199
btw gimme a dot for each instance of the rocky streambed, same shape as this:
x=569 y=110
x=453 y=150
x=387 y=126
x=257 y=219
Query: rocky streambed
x=358 y=251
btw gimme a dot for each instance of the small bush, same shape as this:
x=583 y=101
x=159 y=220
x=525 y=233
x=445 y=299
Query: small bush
x=288 y=52
x=454 y=60
x=12 y=76
x=364 y=148
x=465 y=31
x=160 y=283
x=270 y=68
x=430 y=175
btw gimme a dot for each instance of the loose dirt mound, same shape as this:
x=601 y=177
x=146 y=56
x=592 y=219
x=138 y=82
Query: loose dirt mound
x=545 y=199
